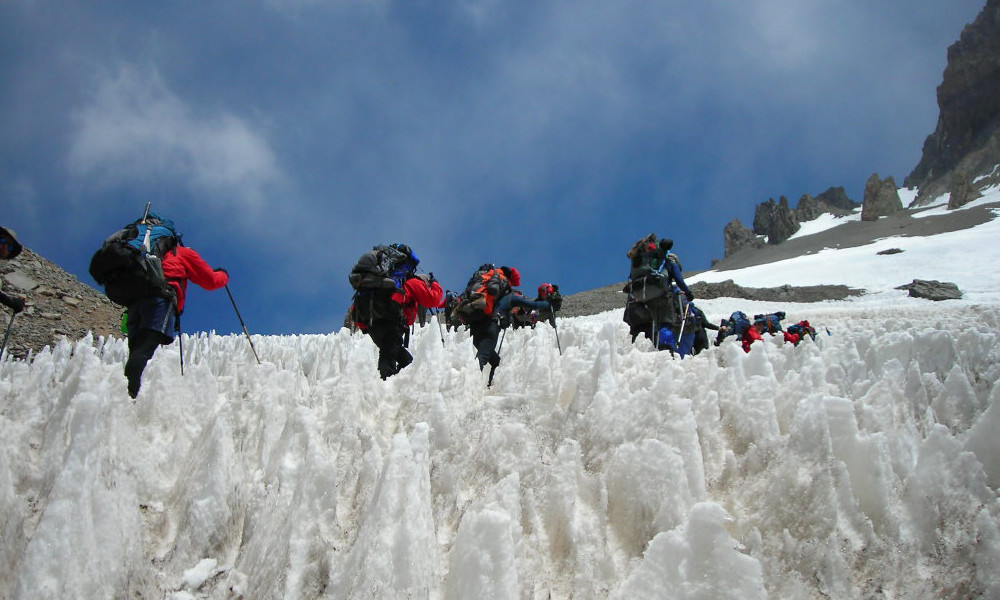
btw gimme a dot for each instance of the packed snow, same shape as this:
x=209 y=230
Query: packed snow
x=967 y=258
x=823 y=222
x=864 y=464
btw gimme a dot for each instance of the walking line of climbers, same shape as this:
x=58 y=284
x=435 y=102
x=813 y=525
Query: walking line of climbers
x=145 y=268
x=660 y=306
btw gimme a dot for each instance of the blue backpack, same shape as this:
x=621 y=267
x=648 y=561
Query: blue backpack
x=129 y=263
x=739 y=323
x=771 y=323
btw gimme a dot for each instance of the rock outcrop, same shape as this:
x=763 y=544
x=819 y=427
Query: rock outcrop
x=963 y=190
x=881 y=198
x=833 y=201
x=809 y=208
x=836 y=200
x=776 y=220
x=967 y=135
x=592 y=302
x=784 y=293
x=738 y=237
x=58 y=305
x=932 y=290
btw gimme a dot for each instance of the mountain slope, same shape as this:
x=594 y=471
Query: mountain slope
x=859 y=465
x=58 y=305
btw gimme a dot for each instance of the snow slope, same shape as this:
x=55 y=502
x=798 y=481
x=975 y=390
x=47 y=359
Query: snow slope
x=862 y=465
x=966 y=257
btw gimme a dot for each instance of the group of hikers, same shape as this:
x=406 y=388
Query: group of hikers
x=145 y=268
x=389 y=295
x=660 y=306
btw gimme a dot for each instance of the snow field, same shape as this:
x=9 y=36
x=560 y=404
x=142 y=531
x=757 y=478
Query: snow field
x=862 y=465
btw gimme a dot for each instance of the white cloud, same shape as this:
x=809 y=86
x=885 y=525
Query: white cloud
x=134 y=129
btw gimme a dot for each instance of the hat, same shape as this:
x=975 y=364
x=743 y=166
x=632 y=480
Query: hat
x=12 y=241
x=512 y=275
x=666 y=243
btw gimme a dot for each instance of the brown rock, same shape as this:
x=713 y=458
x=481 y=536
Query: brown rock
x=881 y=198
x=58 y=305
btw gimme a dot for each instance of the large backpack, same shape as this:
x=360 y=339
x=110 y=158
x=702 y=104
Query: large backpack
x=803 y=328
x=646 y=257
x=377 y=277
x=129 y=263
x=770 y=323
x=739 y=323
x=486 y=286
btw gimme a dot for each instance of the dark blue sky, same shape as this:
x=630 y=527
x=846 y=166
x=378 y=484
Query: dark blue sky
x=286 y=137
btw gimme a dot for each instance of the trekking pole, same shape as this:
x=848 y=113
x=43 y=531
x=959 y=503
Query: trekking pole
x=493 y=368
x=556 y=329
x=437 y=317
x=180 y=341
x=680 y=334
x=7 y=335
x=684 y=316
x=240 y=317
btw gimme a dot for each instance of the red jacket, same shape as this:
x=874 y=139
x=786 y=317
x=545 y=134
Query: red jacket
x=186 y=264
x=751 y=336
x=415 y=291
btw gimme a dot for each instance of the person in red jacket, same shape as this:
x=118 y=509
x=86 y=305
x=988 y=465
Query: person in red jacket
x=389 y=328
x=152 y=320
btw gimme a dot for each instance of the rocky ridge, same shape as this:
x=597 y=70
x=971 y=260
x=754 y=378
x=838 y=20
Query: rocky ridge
x=960 y=158
x=775 y=222
x=58 y=305
x=966 y=139
x=881 y=198
x=592 y=302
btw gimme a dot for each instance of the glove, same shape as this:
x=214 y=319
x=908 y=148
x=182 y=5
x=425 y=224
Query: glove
x=221 y=270
x=430 y=278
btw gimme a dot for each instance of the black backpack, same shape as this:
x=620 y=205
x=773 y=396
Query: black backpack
x=129 y=263
x=645 y=257
x=378 y=275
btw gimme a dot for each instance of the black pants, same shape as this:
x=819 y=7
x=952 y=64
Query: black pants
x=700 y=340
x=141 y=346
x=149 y=320
x=392 y=354
x=485 y=333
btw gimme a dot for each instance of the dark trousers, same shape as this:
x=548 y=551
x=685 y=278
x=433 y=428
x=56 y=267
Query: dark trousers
x=392 y=354
x=141 y=346
x=150 y=322
x=485 y=333
x=700 y=340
